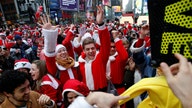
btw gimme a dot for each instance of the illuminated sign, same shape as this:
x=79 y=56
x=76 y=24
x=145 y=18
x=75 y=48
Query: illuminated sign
x=170 y=29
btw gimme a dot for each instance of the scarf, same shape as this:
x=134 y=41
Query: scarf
x=67 y=63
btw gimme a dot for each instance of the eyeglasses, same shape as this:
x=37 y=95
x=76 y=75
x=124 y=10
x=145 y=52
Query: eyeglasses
x=112 y=46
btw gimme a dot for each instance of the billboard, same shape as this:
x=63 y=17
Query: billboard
x=82 y=5
x=116 y=8
x=54 y=4
x=106 y=2
x=70 y=5
x=170 y=30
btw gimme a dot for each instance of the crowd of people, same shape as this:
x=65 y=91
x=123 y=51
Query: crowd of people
x=72 y=65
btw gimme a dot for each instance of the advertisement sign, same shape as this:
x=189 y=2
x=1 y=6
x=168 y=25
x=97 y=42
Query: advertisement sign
x=89 y=4
x=107 y=2
x=82 y=5
x=116 y=8
x=53 y=4
x=70 y=5
x=170 y=30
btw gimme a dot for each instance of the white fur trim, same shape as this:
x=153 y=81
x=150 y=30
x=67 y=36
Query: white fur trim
x=72 y=31
x=20 y=65
x=80 y=102
x=76 y=43
x=88 y=71
x=108 y=67
x=53 y=83
x=58 y=47
x=96 y=38
x=50 y=40
x=136 y=50
x=66 y=90
x=71 y=76
x=89 y=75
x=116 y=40
x=86 y=35
x=49 y=54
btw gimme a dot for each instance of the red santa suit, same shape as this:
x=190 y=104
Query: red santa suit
x=116 y=65
x=93 y=72
x=69 y=45
x=53 y=67
x=51 y=87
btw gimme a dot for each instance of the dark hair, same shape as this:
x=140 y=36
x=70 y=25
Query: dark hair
x=11 y=79
x=66 y=102
x=87 y=41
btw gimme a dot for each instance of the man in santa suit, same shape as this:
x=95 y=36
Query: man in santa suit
x=116 y=62
x=93 y=62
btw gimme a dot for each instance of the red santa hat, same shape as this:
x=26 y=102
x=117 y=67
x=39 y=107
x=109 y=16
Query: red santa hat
x=129 y=26
x=58 y=47
x=75 y=86
x=22 y=63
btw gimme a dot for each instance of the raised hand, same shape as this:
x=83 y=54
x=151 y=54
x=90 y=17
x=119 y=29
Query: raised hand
x=100 y=15
x=47 y=23
x=115 y=34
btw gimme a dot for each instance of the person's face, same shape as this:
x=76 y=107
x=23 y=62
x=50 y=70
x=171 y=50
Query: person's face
x=90 y=51
x=34 y=72
x=62 y=54
x=113 y=49
x=20 y=94
x=120 y=35
x=23 y=70
x=19 y=41
x=71 y=96
x=126 y=46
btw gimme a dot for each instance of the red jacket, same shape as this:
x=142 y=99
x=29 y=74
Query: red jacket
x=65 y=74
x=51 y=87
x=117 y=63
x=69 y=46
x=96 y=68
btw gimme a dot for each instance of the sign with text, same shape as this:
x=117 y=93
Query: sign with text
x=70 y=5
x=170 y=30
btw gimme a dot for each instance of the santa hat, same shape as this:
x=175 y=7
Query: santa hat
x=129 y=26
x=2 y=34
x=58 y=47
x=86 y=35
x=75 y=86
x=22 y=63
